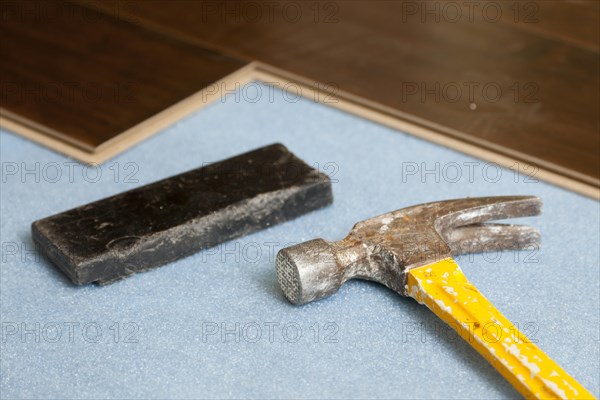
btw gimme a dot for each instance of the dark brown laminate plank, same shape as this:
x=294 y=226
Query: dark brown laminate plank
x=379 y=50
x=87 y=77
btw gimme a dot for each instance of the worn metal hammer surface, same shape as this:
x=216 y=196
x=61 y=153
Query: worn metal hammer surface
x=410 y=251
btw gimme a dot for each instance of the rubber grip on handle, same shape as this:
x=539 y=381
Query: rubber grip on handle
x=445 y=290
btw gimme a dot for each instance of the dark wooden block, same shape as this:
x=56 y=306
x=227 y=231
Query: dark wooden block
x=161 y=222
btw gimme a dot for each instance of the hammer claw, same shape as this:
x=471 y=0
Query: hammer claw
x=479 y=238
x=456 y=213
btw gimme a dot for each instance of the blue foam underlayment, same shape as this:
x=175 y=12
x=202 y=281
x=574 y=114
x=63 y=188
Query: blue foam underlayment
x=216 y=325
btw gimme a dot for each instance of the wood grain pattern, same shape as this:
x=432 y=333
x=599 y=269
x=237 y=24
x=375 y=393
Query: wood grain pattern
x=546 y=74
x=84 y=78
x=520 y=85
x=417 y=127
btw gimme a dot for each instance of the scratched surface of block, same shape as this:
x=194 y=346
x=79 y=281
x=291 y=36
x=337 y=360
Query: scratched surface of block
x=166 y=220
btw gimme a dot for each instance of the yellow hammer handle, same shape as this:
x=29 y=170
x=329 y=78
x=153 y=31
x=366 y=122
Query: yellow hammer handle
x=445 y=290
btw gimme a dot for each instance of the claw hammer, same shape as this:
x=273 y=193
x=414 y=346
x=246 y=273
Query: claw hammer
x=410 y=251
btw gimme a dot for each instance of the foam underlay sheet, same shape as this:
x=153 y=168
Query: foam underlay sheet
x=216 y=324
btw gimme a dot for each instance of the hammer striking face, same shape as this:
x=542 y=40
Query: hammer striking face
x=410 y=251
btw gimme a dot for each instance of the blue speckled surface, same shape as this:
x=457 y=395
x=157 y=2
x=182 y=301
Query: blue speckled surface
x=216 y=325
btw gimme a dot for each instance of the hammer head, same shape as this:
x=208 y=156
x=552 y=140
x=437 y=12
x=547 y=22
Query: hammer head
x=385 y=247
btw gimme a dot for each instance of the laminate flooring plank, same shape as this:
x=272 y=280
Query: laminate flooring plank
x=85 y=77
x=535 y=92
